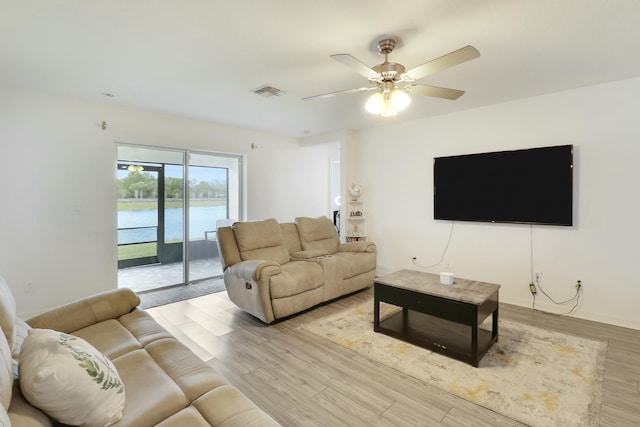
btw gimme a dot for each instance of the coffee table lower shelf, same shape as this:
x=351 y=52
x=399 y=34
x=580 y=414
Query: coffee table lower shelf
x=438 y=335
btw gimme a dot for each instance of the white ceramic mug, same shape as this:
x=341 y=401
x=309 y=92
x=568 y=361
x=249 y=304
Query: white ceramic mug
x=446 y=278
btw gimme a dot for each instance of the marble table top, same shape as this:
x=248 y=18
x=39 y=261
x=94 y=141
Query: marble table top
x=468 y=291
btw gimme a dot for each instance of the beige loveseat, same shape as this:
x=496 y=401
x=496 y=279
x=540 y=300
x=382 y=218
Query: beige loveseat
x=273 y=270
x=165 y=384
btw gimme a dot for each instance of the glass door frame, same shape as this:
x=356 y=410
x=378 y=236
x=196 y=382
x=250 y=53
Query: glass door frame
x=131 y=262
x=186 y=156
x=240 y=196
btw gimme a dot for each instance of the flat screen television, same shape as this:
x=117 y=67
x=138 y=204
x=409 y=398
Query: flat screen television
x=532 y=186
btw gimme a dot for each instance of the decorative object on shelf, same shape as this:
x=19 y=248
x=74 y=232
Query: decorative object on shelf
x=355 y=191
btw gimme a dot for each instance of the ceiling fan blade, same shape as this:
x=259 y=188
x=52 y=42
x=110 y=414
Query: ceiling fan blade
x=356 y=65
x=456 y=57
x=340 y=92
x=435 y=91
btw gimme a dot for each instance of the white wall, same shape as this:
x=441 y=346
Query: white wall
x=292 y=181
x=394 y=165
x=54 y=158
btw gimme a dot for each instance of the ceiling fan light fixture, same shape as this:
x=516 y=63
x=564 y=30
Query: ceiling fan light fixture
x=399 y=99
x=387 y=103
x=389 y=98
x=135 y=168
x=388 y=109
x=375 y=103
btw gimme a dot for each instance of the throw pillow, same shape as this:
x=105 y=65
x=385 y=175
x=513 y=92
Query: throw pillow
x=68 y=379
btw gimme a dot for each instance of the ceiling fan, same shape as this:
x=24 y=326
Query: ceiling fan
x=393 y=82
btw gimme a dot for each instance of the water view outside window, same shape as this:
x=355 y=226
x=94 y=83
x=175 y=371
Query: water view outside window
x=207 y=204
x=138 y=207
x=137 y=212
x=159 y=242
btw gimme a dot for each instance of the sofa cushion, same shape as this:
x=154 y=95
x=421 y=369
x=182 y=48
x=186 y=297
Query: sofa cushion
x=261 y=240
x=290 y=237
x=110 y=338
x=226 y=406
x=22 y=413
x=152 y=395
x=296 y=277
x=187 y=417
x=354 y=263
x=190 y=373
x=317 y=233
x=58 y=370
x=227 y=247
x=311 y=254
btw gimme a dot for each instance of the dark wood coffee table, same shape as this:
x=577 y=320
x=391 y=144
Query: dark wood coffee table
x=442 y=318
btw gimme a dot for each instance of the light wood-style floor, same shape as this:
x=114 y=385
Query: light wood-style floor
x=303 y=380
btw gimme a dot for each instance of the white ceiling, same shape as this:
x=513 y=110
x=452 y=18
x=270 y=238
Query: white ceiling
x=202 y=58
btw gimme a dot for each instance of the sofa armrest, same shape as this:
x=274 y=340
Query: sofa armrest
x=254 y=270
x=87 y=311
x=357 y=247
x=247 y=284
x=306 y=255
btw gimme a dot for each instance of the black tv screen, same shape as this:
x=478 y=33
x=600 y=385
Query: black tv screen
x=533 y=186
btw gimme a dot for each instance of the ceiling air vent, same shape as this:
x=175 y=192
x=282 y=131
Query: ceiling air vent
x=267 y=91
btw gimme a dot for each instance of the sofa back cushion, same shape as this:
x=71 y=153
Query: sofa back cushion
x=227 y=247
x=261 y=240
x=317 y=233
x=84 y=312
x=290 y=237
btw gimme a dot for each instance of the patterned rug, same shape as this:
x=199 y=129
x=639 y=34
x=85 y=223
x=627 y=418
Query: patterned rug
x=531 y=375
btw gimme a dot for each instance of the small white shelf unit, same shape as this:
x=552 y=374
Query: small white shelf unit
x=356 y=222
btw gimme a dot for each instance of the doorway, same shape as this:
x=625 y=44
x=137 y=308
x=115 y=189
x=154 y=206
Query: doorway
x=163 y=196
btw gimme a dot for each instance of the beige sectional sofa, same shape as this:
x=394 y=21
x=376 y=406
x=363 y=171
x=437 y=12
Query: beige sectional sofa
x=273 y=270
x=158 y=380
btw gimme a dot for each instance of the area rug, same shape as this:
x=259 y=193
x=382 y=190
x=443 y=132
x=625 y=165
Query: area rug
x=534 y=376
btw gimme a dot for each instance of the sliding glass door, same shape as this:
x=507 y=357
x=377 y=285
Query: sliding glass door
x=163 y=196
x=213 y=197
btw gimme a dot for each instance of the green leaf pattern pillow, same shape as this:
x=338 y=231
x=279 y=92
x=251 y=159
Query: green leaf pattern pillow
x=108 y=379
x=70 y=380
